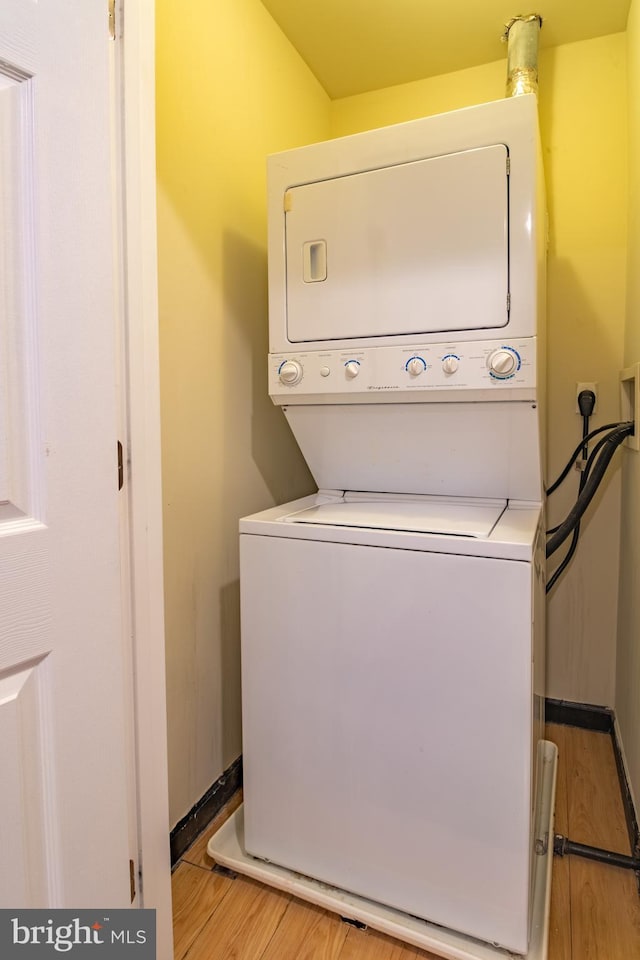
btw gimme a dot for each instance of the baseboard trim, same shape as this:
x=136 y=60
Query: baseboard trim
x=219 y=793
x=602 y=720
x=630 y=811
x=584 y=715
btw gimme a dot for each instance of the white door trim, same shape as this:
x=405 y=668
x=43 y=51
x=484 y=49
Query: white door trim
x=144 y=482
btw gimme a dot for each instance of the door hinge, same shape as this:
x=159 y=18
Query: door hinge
x=120 y=467
x=112 y=18
x=508 y=165
x=132 y=879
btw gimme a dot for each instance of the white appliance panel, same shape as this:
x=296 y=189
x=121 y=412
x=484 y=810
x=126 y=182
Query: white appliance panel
x=417 y=372
x=408 y=249
x=387 y=723
x=449 y=449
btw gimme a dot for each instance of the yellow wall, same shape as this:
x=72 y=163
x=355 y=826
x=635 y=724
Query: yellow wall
x=628 y=663
x=230 y=90
x=423 y=98
x=583 y=120
x=583 y=129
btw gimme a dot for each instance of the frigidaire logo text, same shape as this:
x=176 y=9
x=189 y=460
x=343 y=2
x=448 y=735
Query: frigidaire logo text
x=65 y=937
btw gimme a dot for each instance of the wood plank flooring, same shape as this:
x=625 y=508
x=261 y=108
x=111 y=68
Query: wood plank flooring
x=595 y=908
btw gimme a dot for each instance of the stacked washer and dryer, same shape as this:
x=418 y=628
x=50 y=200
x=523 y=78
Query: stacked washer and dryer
x=393 y=623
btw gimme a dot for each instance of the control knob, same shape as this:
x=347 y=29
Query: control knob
x=416 y=366
x=502 y=363
x=290 y=372
x=352 y=369
x=450 y=364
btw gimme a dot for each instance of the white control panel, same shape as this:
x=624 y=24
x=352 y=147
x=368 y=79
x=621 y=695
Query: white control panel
x=422 y=369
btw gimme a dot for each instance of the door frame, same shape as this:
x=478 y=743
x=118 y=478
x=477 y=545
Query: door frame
x=142 y=389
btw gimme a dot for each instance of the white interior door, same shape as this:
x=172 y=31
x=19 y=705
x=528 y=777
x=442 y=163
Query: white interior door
x=65 y=737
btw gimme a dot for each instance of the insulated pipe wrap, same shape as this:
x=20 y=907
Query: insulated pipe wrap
x=522 y=35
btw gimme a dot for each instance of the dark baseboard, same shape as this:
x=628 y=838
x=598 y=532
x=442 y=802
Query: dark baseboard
x=584 y=715
x=600 y=719
x=219 y=793
x=629 y=811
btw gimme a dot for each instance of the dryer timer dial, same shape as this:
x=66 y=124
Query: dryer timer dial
x=290 y=372
x=503 y=363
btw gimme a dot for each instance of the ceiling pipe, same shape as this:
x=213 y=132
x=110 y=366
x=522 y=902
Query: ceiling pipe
x=522 y=34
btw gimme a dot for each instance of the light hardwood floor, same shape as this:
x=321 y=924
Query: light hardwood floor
x=595 y=909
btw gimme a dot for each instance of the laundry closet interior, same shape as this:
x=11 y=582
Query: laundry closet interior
x=232 y=89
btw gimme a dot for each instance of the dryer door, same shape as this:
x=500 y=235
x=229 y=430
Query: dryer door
x=414 y=248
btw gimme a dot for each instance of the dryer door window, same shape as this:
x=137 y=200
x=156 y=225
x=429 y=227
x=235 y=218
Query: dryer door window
x=415 y=248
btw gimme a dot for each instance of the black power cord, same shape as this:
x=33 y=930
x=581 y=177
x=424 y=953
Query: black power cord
x=593 y=469
x=572 y=459
x=557 y=573
x=586 y=404
x=607 y=448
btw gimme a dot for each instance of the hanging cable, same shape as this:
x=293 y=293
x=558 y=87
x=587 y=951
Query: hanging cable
x=593 y=456
x=589 y=464
x=557 y=573
x=586 y=404
x=594 y=433
x=608 y=447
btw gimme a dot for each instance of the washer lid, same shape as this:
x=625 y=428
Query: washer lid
x=456 y=517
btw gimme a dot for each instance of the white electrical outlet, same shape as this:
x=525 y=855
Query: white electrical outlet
x=630 y=402
x=586 y=386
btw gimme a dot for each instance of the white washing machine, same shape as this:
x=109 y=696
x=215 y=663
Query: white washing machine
x=390 y=650
x=393 y=623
